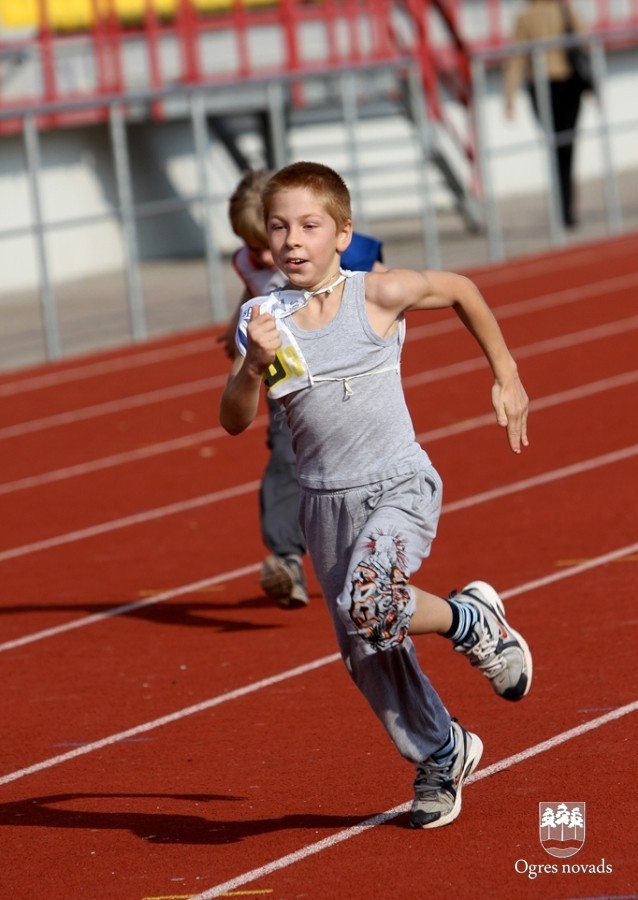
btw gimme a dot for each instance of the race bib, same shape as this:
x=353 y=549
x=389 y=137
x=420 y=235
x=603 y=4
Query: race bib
x=289 y=371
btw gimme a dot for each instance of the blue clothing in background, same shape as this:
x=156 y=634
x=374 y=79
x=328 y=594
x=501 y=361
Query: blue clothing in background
x=362 y=253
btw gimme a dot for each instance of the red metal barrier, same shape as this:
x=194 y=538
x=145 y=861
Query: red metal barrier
x=104 y=45
x=353 y=33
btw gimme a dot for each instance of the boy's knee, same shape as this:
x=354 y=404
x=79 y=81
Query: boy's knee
x=380 y=605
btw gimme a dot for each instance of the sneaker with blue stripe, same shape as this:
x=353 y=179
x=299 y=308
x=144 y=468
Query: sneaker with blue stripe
x=492 y=646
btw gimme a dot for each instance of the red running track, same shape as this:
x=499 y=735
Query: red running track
x=168 y=733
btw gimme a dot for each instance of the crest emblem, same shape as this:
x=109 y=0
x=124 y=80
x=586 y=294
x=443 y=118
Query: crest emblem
x=561 y=828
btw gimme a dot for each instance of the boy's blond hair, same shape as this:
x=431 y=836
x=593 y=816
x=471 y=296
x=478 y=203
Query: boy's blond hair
x=322 y=181
x=245 y=209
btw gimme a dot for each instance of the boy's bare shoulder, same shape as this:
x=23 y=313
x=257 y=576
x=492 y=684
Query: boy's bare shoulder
x=393 y=286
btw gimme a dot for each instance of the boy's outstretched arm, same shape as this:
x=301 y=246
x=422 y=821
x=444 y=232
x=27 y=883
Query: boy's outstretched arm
x=509 y=398
x=240 y=399
x=405 y=290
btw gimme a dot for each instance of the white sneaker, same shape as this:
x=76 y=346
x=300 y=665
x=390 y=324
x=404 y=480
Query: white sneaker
x=493 y=647
x=437 y=786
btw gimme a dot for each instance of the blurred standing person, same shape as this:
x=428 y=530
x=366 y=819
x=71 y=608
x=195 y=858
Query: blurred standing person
x=541 y=20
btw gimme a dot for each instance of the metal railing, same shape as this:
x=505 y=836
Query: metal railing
x=240 y=40
x=198 y=102
x=129 y=214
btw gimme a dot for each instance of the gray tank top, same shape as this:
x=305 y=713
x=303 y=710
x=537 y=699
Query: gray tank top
x=351 y=426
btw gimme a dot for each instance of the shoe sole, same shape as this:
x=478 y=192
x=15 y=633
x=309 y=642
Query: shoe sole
x=274 y=578
x=277 y=583
x=474 y=754
x=294 y=600
x=488 y=597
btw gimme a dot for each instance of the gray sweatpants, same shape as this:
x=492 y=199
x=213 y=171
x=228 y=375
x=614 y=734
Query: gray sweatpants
x=279 y=490
x=365 y=544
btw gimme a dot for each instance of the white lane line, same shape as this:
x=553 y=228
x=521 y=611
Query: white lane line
x=555 y=262
x=578 y=569
x=415 y=332
x=561 y=397
x=212 y=434
x=132 y=606
x=545 y=478
x=550 y=345
x=176 y=716
x=268 y=682
x=231 y=575
x=229 y=493
x=201 y=345
x=109 y=462
x=120 y=459
x=526 y=307
x=135 y=401
x=127 y=521
x=119 y=364
x=334 y=839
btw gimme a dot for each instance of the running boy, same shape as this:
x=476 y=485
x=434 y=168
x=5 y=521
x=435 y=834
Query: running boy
x=329 y=351
x=281 y=577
